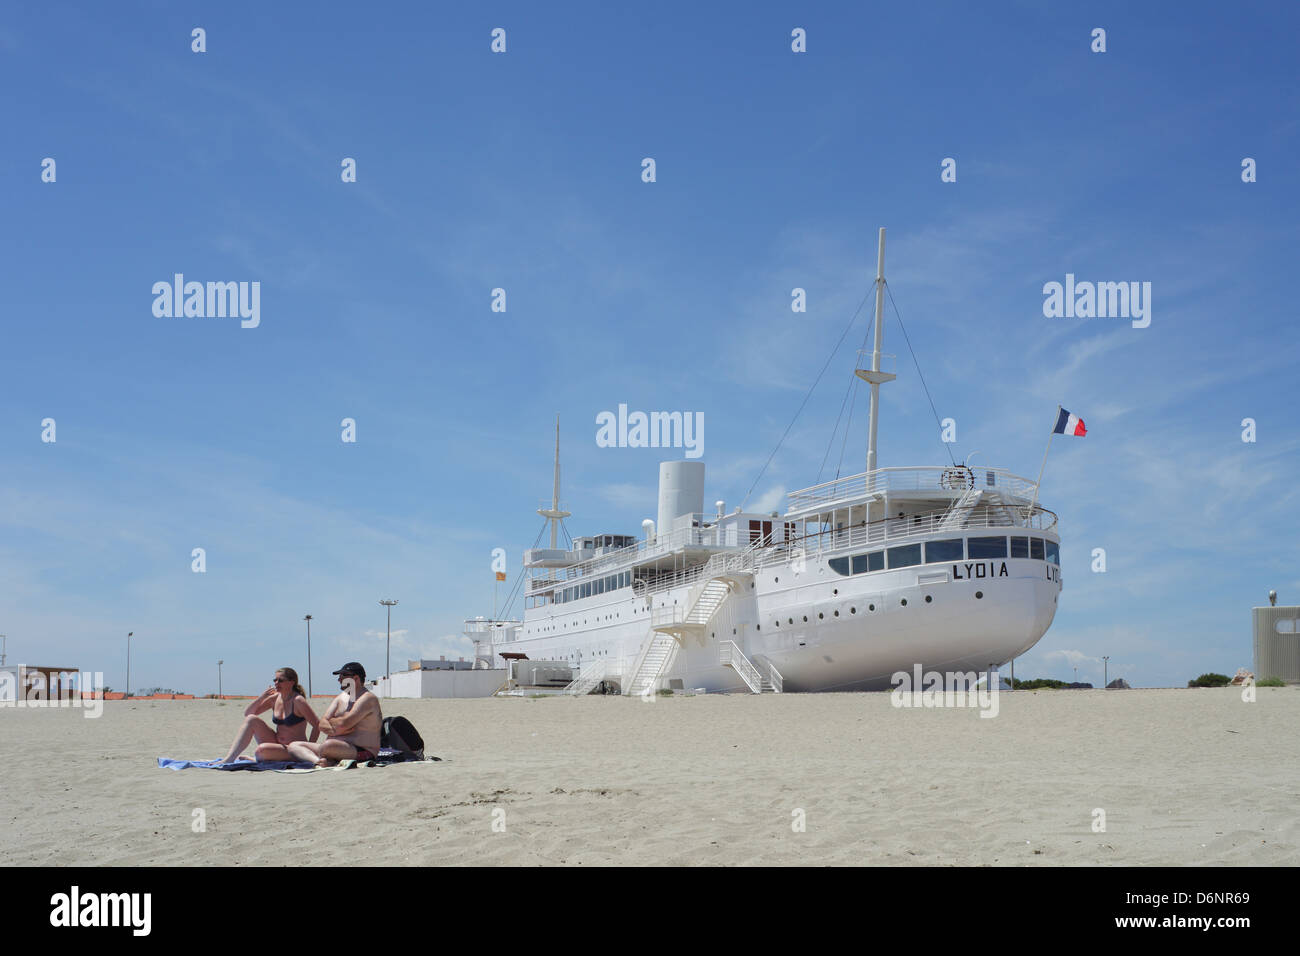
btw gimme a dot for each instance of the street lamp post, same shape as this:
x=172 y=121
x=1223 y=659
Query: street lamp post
x=127 y=688
x=388 y=640
x=219 y=663
x=1105 y=670
x=307 y=618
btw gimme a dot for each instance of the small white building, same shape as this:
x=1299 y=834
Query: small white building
x=1277 y=641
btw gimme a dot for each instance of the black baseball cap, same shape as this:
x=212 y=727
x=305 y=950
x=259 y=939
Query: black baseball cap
x=352 y=668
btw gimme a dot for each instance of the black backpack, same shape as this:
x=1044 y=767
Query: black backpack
x=400 y=734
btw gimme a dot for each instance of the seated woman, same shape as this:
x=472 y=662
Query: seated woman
x=290 y=711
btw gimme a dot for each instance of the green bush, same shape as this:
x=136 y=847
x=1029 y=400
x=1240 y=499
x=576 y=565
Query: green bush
x=1210 y=680
x=1271 y=682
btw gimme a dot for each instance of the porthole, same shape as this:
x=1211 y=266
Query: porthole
x=929 y=598
x=790 y=621
x=871 y=607
x=837 y=613
x=820 y=615
x=805 y=618
x=776 y=580
x=853 y=610
x=979 y=594
x=903 y=602
x=836 y=591
x=758 y=627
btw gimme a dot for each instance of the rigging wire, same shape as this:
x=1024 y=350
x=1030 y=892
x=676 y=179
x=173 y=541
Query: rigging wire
x=918 y=373
x=519 y=580
x=829 y=359
x=850 y=387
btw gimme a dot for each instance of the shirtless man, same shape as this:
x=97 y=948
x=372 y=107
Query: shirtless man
x=351 y=724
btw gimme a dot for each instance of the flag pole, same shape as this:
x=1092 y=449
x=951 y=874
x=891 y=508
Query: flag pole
x=1033 y=504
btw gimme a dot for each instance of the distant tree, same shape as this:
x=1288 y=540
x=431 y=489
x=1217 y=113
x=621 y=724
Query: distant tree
x=1210 y=680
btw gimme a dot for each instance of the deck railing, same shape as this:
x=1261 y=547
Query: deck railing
x=957 y=478
x=891 y=531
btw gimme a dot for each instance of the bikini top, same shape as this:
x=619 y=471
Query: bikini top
x=289 y=721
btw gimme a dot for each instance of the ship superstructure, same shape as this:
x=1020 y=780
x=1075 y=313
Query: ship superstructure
x=951 y=567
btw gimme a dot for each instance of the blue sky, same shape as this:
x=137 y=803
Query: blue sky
x=522 y=171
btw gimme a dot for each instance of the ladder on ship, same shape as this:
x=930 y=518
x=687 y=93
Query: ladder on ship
x=764 y=679
x=960 y=510
x=589 y=675
x=655 y=659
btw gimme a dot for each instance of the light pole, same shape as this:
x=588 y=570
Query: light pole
x=127 y=688
x=4 y=646
x=219 y=663
x=307 y=618
x=1105 y=670
x=389 y=639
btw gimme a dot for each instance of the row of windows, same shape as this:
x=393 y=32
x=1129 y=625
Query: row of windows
x=590 y=588
x=947 y=551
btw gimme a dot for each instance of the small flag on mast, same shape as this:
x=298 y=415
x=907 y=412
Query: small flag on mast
x=1067 y=424
x=501 y=575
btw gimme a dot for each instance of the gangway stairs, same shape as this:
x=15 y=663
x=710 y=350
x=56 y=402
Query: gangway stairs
x=960 y=511
x=590 y=674
x=656 y=657
x=730 y=655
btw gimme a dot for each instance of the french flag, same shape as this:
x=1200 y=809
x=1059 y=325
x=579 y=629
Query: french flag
x=1067 y=424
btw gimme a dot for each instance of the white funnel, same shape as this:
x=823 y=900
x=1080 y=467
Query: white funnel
x=681 y=491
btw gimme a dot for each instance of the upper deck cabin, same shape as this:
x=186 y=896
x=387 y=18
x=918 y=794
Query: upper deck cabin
x=905 y=502
x=886 y=504
x=605 y=562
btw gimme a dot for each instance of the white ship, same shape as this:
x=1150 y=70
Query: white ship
x=954 y=568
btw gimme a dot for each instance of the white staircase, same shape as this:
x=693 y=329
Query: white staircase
x=709 y=599
x=960 y=510
x=730 y=655
x=772 y=681
x=656 y=657
x=591 y=674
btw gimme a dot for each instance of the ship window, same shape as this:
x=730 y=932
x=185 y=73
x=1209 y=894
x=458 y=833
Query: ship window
x=839 y=565
x=904 y=557
x=986 y=548
x=1053 y=552
x=600 y=585
x=876 y=561
x=1036 y=548
x=943 y=551
x=859 y=564
x=1285 y=627
x=1019 y=547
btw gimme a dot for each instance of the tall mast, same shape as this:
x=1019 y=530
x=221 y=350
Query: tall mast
x=554 y=515
x=874 y=375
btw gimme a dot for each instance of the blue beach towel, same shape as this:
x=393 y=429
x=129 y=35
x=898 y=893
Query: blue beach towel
x=168 y=763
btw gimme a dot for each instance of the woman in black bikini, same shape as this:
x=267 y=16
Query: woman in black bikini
x=290 y=712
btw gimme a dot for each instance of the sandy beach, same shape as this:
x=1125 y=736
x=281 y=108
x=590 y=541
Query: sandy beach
x=1185 y=777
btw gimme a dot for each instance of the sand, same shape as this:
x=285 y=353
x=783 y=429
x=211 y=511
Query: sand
x=1185 y=777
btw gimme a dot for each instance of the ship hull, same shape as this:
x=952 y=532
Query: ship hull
x=820 y=631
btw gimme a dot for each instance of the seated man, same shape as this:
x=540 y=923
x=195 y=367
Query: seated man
x=351 y=724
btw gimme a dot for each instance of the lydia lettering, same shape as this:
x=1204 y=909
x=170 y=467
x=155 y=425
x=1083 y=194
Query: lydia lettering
x=212 y=300
x=980 y=570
